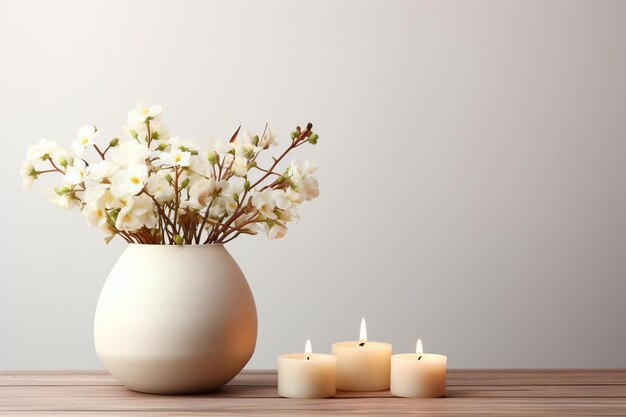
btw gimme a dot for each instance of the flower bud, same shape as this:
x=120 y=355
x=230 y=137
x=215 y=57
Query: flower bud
x=161 y=147
x=114 y=142
x=246 y=185
x=134 y=133
x=112 y=216
x=63 y=162
x=211 y=158
x=313 y=138
x=255 y=140
x=293 y=135
x=178 y=239
x=185 y=183
x=169 y=179
x=62 y=190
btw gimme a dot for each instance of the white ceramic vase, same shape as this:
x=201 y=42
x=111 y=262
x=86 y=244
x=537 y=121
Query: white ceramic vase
x=175 y=319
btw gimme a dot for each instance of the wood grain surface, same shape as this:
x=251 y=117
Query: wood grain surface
x=469 y=393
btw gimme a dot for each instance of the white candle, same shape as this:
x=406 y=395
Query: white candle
x=362 y=365
x=306 y=375
x=418 y=374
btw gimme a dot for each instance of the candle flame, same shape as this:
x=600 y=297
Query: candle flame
x=418 y=346
x=363 y=332
x=307 y=346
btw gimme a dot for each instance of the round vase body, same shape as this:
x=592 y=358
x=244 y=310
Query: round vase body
x=175 y=319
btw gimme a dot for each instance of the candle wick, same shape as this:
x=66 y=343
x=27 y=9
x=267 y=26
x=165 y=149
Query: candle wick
x=307 y=358
x=362 y=344
x=419 y=357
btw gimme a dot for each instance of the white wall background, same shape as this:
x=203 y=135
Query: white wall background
x=472 y=167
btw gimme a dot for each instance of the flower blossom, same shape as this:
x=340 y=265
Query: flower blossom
x=160 y=188
x=75 y=174
x=129 y=181
x=176 y=157
x=28 y=173
x=86 y=136
x=138 y=211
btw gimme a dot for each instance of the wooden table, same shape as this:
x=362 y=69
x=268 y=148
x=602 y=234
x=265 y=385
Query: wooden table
x=470 y=392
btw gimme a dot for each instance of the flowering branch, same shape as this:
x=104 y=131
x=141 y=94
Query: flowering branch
x=158 y=189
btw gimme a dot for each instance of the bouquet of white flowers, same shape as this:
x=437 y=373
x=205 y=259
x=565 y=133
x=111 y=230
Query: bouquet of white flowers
x=157 y=189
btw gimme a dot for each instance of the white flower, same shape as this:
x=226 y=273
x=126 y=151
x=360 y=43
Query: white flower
x=136 y=119
x=98 y=194
x=223 y=148
x=95 y=215
x=95 y=211
x=175 y=157
x=28 y=173
x=42 y=150
x=217 y=210
x=75 y=174
x=230 y=206
x=129 y=153
x=264 y=203
x=288 y=215
x=281 y=200
x=61 y=157
x=200 y=164
x=301 y=168
x=247 y=146
x=221 y=200
x=251 y=228
x=129 y=181
x=293 y=195
x=137 y=212
x=239 y=166
x=300 y=173
x=158 y=131
x=62 y=199
x=275 y=230
x=268 y=139
x=310 y=186
x=86 y=136
x=176 y=142
x=159 y=187
x=202 y=192
x=98 y=171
